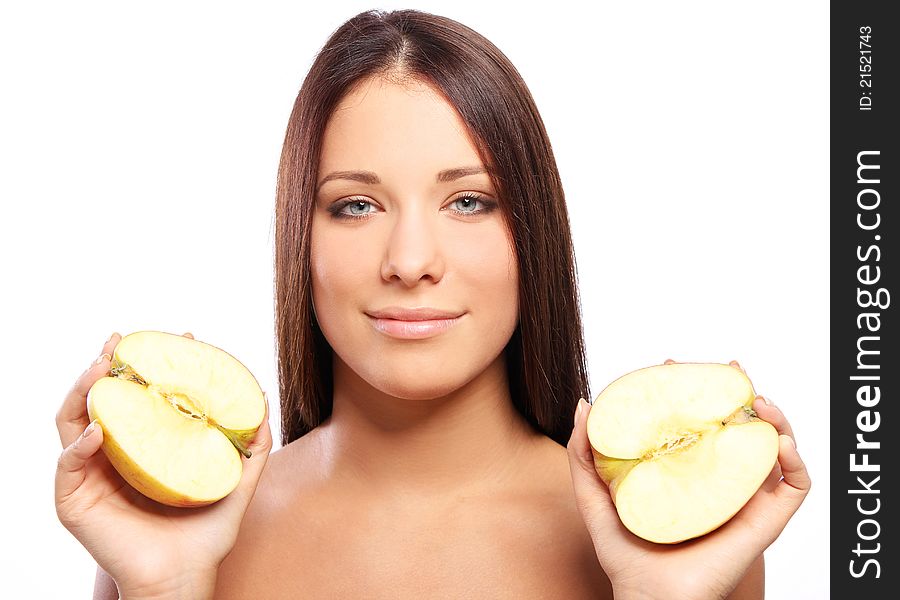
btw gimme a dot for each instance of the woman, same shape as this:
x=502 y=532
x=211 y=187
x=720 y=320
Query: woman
x=431 y=358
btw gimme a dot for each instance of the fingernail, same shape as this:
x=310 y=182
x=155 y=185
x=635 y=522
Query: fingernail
x=793 y=443
x=588 y=402
x=766 y=400
x=101 y=357
x=90 y=429
x=111 y=337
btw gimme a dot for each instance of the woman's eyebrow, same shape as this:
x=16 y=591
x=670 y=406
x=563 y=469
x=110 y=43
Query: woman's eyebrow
x=451 y=174
x=371 y=178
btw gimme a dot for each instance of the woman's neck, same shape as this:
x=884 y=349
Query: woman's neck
x=468 y=439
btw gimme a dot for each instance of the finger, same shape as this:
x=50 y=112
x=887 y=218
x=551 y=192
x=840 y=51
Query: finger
x=591 y=494
x=72 y=417
x=70 y=471
x=796 y=482
x=767 y=513
x=737 y=366
x=669 y=361
x=769 y=519
x=771 y=413
x=188 y=335
x=773 y=479
x=259 y=449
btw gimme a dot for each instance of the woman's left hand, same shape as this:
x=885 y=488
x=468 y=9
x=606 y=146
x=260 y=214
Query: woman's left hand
x=707 y=567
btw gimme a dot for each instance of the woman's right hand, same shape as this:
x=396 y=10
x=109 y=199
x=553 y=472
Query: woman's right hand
x=149 y=549
x=707 y=567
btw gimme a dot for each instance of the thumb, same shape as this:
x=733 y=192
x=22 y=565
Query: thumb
x=591 y=494
x=70 y=468
x=253 y=467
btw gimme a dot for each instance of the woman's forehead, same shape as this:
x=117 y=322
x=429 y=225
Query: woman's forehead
x=381 y=125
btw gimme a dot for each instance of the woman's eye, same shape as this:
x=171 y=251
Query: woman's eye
x=358 y=205
x=356 y=208
x=467 y=205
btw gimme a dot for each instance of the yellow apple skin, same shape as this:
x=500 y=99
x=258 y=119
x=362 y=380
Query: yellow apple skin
x=240 y=438
x=245 y=436
x=612 y=470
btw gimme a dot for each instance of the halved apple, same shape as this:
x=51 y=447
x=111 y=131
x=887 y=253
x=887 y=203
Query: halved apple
x=680 y=448
x=176 y=415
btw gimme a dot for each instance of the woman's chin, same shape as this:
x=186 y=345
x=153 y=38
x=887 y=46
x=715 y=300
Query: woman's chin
x=415 y=389
x=420 y=376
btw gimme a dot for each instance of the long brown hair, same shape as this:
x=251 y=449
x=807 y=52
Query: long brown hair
x=545 y=355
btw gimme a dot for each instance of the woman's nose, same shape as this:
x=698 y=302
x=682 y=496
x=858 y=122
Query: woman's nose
x=413 y=249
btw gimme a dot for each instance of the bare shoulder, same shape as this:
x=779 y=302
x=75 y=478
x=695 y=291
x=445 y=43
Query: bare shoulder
x=265 y=546
x=568 y=552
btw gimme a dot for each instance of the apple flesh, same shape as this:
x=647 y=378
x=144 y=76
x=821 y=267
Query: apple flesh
x=177 y=414
x=680 y=448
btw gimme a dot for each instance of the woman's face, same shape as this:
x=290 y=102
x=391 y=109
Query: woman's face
x=404 y=235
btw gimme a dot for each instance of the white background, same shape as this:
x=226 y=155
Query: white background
x=138 y=154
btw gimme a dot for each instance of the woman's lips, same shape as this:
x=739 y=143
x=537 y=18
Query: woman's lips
x=413 y=330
